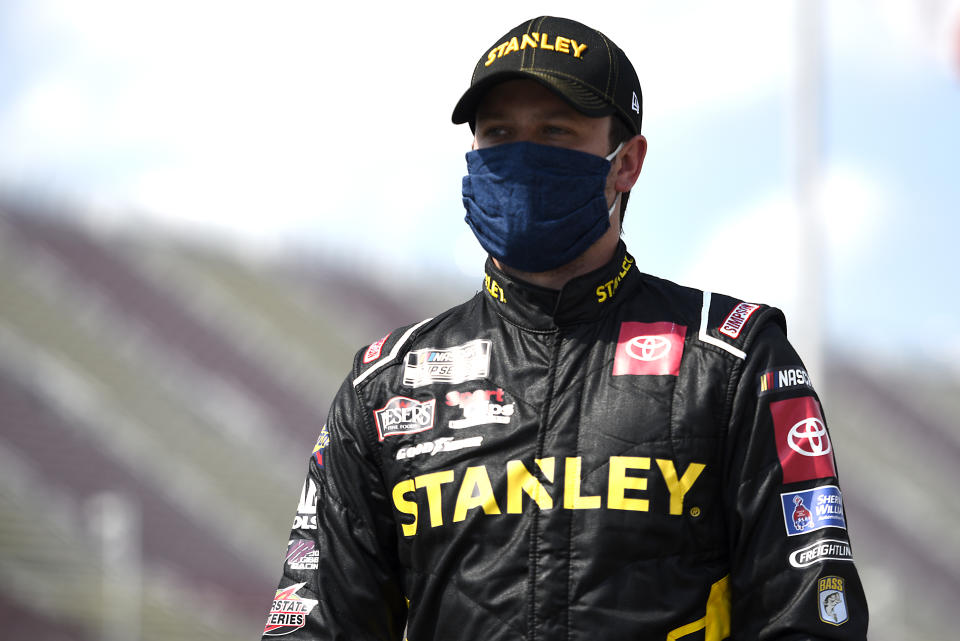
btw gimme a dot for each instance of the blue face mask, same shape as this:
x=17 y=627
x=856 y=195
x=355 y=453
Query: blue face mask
x=536 y=207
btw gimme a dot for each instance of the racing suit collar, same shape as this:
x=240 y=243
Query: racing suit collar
x=583 y=299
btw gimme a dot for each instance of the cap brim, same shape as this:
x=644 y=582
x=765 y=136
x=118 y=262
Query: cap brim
x=576 y=94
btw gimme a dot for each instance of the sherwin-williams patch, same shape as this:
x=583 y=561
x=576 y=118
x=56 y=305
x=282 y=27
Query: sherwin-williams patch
x=811 y=510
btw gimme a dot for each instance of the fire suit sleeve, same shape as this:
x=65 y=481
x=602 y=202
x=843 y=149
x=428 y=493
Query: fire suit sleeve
x=341 y=578
x=792 y=570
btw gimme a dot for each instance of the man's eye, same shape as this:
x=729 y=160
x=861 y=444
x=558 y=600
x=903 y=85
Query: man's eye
x=553 y=130
x=492 y=131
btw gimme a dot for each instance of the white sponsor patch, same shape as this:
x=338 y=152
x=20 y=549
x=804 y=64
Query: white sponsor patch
x=466 y=362
x=306 y=518
x=827 y=549
x=445 y=444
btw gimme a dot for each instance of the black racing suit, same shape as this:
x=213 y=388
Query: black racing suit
x=622 y=459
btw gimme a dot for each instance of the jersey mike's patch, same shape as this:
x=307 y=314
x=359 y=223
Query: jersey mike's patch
x=649 y=349
x=810 y=510
x=803 y=444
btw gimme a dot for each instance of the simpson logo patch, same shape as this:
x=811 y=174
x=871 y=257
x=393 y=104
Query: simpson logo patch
x=803 y=444
x=402 y=415
x=458 y=364
x=832 y=600
x=811 y=510
x=288 y=612
x=373 y=352
x=649 y=349
x=737 y=320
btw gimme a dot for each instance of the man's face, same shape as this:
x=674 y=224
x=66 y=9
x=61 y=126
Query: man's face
x=525 y=110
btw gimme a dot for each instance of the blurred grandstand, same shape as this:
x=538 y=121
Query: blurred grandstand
x=159 y=399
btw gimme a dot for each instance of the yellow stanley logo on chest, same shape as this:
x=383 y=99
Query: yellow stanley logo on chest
x=560 y=44
x=626 y=482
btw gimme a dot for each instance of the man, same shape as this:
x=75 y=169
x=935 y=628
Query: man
x=581 y=451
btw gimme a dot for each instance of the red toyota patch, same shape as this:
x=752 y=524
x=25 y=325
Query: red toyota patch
x=649 y=348
x=803 y=444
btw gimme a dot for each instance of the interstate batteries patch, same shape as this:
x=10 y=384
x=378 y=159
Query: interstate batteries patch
x=288 y=612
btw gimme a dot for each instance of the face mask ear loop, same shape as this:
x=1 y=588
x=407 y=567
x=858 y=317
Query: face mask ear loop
x=613 y=154
x=614 y=205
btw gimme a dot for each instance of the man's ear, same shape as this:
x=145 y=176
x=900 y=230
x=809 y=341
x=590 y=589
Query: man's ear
x=631 y=162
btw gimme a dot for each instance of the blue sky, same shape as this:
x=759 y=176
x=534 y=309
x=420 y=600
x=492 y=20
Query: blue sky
x=327 y=129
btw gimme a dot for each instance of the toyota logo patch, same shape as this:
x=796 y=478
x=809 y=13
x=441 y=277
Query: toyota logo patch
x=645 y=349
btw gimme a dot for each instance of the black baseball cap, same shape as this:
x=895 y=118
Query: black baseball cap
x=578 y=63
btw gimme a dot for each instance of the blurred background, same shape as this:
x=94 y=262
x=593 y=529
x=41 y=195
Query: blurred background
x=207 y=208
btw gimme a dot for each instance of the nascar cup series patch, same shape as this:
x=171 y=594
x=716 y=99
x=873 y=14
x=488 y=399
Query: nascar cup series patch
x=458 y=364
